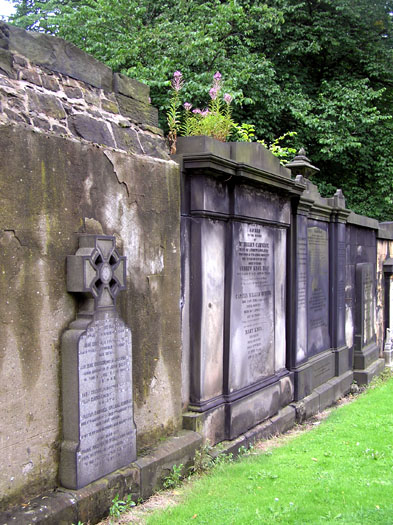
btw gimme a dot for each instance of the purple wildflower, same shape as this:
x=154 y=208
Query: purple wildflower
x=196 y=111
x=187 y=106
x=228 y=98
x=217 y=76
x=205 y=112
x=177 y=81
x=213 y=93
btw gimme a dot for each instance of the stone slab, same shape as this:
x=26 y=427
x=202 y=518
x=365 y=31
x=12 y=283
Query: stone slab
x=260 y=204
x=57 y=55
x=343 y=360
x=252 y=337
x=366 y=357
x=315 y=372
x=364 y=377
x=158 y=464
x=250 y=410
x=87 y=505
x=365 y=305
x=210 y=424
x=137 y=111
x=130 y=87
x=318 y=287
x=98 y=427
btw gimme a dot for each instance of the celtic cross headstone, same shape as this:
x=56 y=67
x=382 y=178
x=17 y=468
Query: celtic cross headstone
x=99 y=434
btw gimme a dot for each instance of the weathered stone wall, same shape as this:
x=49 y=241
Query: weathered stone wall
x=80 y=152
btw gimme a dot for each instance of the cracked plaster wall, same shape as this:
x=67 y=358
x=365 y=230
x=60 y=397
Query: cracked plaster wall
x=78 y=156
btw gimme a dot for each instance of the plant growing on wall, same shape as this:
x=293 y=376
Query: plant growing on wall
x=214 y=121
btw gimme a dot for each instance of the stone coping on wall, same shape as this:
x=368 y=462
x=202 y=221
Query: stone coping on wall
x=51 y=85
x=250 y=162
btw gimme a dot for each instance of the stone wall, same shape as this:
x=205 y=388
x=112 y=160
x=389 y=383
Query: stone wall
x=80 y=152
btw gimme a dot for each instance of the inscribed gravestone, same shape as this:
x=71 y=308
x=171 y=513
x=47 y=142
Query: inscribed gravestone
x=252 y=305
x=365 y=306
x=99 y=434
x=318 y=286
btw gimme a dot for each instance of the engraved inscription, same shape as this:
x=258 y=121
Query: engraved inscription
x=252 y=307
x=368 y=307
x=106 y=421
x=318 y=287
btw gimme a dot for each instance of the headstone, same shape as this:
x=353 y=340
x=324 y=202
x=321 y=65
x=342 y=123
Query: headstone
x=252 y=305
x=99 y=434
x=318 y=287
x=365 y=305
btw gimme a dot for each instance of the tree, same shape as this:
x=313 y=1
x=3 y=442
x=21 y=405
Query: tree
x=320 y=67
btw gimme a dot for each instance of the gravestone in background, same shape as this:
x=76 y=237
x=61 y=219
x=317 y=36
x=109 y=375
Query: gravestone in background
x=99 y=434
x=366 y=352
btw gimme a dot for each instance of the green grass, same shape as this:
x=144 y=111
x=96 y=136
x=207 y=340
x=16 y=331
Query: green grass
x=339 y=472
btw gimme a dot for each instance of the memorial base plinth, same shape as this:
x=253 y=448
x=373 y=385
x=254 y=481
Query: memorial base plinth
x=388 y=356
x=314 y=373
x=363 y=358
x=324 y=396
x=210 y=424
x=343 y=360
x=235 y=417
x=364 y=377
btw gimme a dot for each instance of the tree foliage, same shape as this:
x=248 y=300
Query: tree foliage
x=322 y=68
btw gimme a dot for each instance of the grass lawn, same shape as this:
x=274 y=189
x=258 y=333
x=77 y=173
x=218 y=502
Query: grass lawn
x=341 y=471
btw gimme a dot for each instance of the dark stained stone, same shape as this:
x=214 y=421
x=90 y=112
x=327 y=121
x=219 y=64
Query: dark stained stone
x=41 y=123
x=138 y=112
x=20 y=61
x=73 y=92
x=47 y=104
x=16 y=117
x=4 y=36
x=49 y=82
x=154 y=146
x=91 y=129
x=110 y=106
x=126 y=139
x=31 y=76
x=59 y=129
x=57 y=55
x=6 y=63
x=130 y=88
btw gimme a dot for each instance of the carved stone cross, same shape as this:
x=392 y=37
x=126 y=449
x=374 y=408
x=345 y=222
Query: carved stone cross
x=97 y=269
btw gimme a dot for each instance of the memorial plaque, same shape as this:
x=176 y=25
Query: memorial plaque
x=301 y=289
x=99 y=434
x=365 y=305
x=252 y=305
x=318 y=287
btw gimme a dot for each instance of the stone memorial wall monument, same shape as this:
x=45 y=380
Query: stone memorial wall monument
x=99 y=434
x=366 y=351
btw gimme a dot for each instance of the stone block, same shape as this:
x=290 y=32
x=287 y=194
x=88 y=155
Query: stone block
x=210 y=424
x=250 y=410
x=30 y=75
x=91 y=129
x=6 y=63
x=57 y=55
x=137 y=111
x=156 y=466
x=126 y=139
x=47 y=104
x=364 y=377
x=131 y=88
